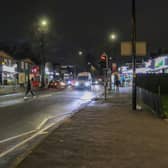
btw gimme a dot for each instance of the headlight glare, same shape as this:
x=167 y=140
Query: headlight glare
x=76 y=83
x=87 y=84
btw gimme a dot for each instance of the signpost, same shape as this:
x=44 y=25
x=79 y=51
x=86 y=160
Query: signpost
x=134 y=94
x=133 y=49
x=126 y=48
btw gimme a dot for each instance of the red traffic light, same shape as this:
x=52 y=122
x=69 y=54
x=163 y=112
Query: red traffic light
x=35 y=69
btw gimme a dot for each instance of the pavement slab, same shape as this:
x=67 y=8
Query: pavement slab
x=106 y=134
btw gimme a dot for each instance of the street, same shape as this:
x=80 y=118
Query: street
x=21 y=117
x=83 y=85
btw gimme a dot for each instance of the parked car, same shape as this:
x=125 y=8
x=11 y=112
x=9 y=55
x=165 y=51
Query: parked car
x=56 y=84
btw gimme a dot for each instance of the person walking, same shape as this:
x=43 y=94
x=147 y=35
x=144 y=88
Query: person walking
x=29 y=89
x=116 y=82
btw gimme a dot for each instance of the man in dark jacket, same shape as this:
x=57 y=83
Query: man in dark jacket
x=29 y=89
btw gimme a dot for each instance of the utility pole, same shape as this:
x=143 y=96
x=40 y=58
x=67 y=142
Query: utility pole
x=134 y=94
x=104 y=65
x=106 y=77
x=43 y=27
x=110 y=64
x=42 y=45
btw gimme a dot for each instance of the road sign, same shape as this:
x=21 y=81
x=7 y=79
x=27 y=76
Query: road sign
x=126 y=48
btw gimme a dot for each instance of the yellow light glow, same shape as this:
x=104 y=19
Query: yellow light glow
x=113 y=36
x=44 y=23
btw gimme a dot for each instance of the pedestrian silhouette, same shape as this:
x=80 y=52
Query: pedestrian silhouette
x=29 y=88
x=116 y=82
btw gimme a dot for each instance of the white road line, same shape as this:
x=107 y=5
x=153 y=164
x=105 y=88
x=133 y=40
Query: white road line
x=25 y=141
x=17 y=136
x=25 y=133
x=44 y=96
x=37 y=131
x=29 y=139
x=20 y=100
x=42 y=123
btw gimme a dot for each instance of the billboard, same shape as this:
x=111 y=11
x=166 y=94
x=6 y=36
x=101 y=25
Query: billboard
x=126 y=48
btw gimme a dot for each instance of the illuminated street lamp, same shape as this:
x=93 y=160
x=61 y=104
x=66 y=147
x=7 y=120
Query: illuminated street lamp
x=80 y=53
x=113 y=36
x=43 y=26
x=44 y=23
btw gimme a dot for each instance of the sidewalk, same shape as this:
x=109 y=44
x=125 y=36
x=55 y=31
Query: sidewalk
x=105 y=135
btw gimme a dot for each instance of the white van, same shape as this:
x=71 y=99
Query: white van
x=84 y=80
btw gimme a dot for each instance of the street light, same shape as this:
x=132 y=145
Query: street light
x=43 y=26
x=113 y=37
x=44 y=23
x=80 y=53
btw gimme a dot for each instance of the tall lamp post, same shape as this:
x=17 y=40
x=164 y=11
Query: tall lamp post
x=113 y=37
x=43 y=26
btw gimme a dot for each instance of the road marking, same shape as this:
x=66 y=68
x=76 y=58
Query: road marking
x=42 y=123
x=11 y=95
x=32 y=131
x=43 y=133
x=25 y=133
x=10 y=102
x=17 y=136
x=44 y=96
x=25 y=141
x=40 y=132
x=36 y=132
x=21 y=100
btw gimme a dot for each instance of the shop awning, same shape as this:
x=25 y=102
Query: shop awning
x=5 y=55
x=29 y=61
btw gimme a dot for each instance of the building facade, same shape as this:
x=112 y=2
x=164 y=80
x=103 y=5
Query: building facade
x=8 y=69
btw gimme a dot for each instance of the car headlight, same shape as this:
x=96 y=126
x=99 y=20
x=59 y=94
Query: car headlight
x=76 y=83
x=87 y=84
x=62 y=83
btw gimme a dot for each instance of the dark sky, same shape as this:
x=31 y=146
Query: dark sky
x=86 y=24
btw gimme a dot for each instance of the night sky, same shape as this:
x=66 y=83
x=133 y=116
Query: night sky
x=85 y=25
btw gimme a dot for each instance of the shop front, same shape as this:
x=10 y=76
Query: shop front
x=8 y=70
x=161 y=64
x=9 y=75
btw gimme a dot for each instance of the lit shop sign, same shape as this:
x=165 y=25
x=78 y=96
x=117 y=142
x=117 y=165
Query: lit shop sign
x=159 y=62
x=8 y=69
x=148 y=63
